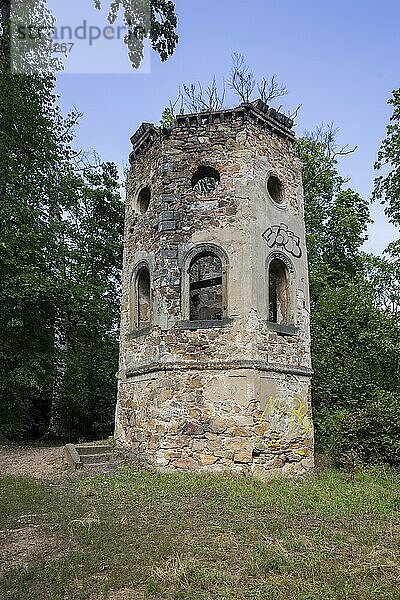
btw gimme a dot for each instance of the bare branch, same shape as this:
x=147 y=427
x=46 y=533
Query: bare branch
x=293 y=115
x=173 y=105
x=241 y=79
x=325 y=135
x=196 y=100
x=86 y=160
x=269 y=90
x=215 y=100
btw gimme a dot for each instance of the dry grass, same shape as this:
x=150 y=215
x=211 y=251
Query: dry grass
x=139 y=535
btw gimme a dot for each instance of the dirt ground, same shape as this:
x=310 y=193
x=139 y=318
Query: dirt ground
x=40 y=461
x=18 y=546
x=127 y=594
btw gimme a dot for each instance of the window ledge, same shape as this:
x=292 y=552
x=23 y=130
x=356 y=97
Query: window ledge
x=282 y=329
x=225 y=322
x=139 y=333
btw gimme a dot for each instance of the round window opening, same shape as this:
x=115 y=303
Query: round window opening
x=275 y=189
x=205 y=180
x=143 y=200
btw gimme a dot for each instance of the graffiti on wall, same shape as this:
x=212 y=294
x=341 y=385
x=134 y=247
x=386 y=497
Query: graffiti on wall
x=290 y=411
x=279 y=236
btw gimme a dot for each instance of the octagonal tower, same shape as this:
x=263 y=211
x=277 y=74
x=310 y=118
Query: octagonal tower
x=215 y=345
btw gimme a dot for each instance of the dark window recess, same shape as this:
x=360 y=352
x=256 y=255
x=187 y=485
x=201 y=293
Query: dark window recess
x=205 y=180
x=275 y=188
x=143 y=200
x=278 y=304
x=143 y=298
x=205 y=277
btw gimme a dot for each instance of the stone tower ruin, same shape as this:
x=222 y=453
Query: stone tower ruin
x=215 y=345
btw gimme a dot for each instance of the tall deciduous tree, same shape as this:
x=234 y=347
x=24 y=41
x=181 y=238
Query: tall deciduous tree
x=336 y=217
x=387 y=190
x=155 y=20
x=387 y=186
x=92 y=259
x=30 y=150
x=60 y=250
x=61 y=224
x=163 y=21
x=355 y=347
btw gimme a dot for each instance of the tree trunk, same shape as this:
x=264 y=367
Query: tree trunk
x=56 y=426
x=5 y=16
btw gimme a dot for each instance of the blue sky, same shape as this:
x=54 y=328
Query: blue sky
x=340 y=60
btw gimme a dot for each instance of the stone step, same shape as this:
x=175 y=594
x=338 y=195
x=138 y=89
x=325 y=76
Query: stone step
x=94 y=459
x=93 y=450
x=79 y=456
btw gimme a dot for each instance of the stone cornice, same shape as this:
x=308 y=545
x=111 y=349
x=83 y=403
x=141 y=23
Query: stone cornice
x=152 y=366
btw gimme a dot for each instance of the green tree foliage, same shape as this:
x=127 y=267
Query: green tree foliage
x=163 y=27
x=60 y=255
x=387 y=191
x=159 y=26
x=387 y=186
x=89 y=316
x=61 y=226
x=336 y=218
x=163 y=21
x=370 y=434
x=30 y=133
x=354 y=329
x=349 y=332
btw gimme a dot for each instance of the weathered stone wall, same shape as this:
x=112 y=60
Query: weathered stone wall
x=229 y=394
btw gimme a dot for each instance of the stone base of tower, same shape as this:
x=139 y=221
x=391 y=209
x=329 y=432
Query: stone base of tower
x=242 y=419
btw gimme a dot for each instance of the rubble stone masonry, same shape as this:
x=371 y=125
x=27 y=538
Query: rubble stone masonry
x=232 y=392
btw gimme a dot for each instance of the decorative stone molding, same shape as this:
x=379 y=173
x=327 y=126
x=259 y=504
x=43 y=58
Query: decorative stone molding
x=153 y=366
x=198 y=250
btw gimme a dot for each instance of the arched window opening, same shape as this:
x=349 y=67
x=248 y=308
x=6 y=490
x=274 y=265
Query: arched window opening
x=143 y=298
x=143 y=200
x=278 y=293
x=205 y=288
x=275 y=189
x=205 y=180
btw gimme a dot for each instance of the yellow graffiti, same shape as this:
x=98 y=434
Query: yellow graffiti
x=265 y=410
x=298 y=414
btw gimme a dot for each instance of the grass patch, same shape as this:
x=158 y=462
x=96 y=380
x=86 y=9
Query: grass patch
x=141 y=535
